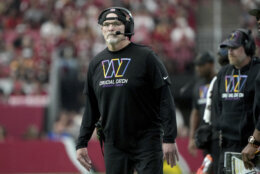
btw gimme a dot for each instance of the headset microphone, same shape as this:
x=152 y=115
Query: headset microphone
x=126 y=34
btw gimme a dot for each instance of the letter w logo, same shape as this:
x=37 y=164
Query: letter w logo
x=115 y=67
x=235 y=83
x=203 y=91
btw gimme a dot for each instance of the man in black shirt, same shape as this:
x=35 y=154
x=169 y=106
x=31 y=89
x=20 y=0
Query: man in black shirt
x=128 y=89
x=235 y=95
x=210 y=117
x=204 y=65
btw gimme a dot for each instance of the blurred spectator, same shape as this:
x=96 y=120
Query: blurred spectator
x=74 y=125
x=69 y=78
x=182 y=31
x=51 y=29
x=144 y=25
x=35 y=14
x=18 y=88
x=6 y=84
x=182 y=37
x=60 y=128
x=6 y=56
x=11 y=11
x=31 y=133
x=38 y=89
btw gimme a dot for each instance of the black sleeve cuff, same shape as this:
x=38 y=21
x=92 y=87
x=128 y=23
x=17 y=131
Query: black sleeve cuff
x=168 y=140
x=80 y=146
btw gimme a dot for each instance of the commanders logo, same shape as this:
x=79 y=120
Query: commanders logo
x=233 y=87
x=203 y=94
x=115 y=67
x=235 y=83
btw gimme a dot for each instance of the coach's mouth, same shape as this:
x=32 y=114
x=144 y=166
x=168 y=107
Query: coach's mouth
x=111 y=34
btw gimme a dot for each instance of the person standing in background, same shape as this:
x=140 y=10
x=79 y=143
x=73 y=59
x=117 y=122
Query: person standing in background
x=210 y=117
x=235 y=96
x=205 y=67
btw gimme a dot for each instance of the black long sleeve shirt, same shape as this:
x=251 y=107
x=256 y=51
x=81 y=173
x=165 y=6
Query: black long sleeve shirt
x=235 y=98
x=129 y=90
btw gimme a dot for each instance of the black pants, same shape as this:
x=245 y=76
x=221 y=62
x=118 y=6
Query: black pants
x=145 y=158
x=229 y=146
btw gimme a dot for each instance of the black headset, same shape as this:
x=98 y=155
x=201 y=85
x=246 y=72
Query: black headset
x=129 y=24
x=249 y=43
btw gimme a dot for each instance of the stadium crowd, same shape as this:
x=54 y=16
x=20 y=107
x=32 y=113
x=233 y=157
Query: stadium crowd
x=31 y=31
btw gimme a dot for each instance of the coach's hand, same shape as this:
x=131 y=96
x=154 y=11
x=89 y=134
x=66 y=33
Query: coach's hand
x=83 y=158
x=248 y=154
x=170 y=153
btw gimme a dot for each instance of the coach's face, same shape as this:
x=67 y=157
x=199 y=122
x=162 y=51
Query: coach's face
x=237 y=56
x=109 y=29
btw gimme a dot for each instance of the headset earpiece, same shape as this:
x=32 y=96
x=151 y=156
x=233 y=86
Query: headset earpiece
x=249 y=43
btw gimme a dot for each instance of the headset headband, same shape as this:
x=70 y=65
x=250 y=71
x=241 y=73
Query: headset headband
x=123 y=14
x=249 y=43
